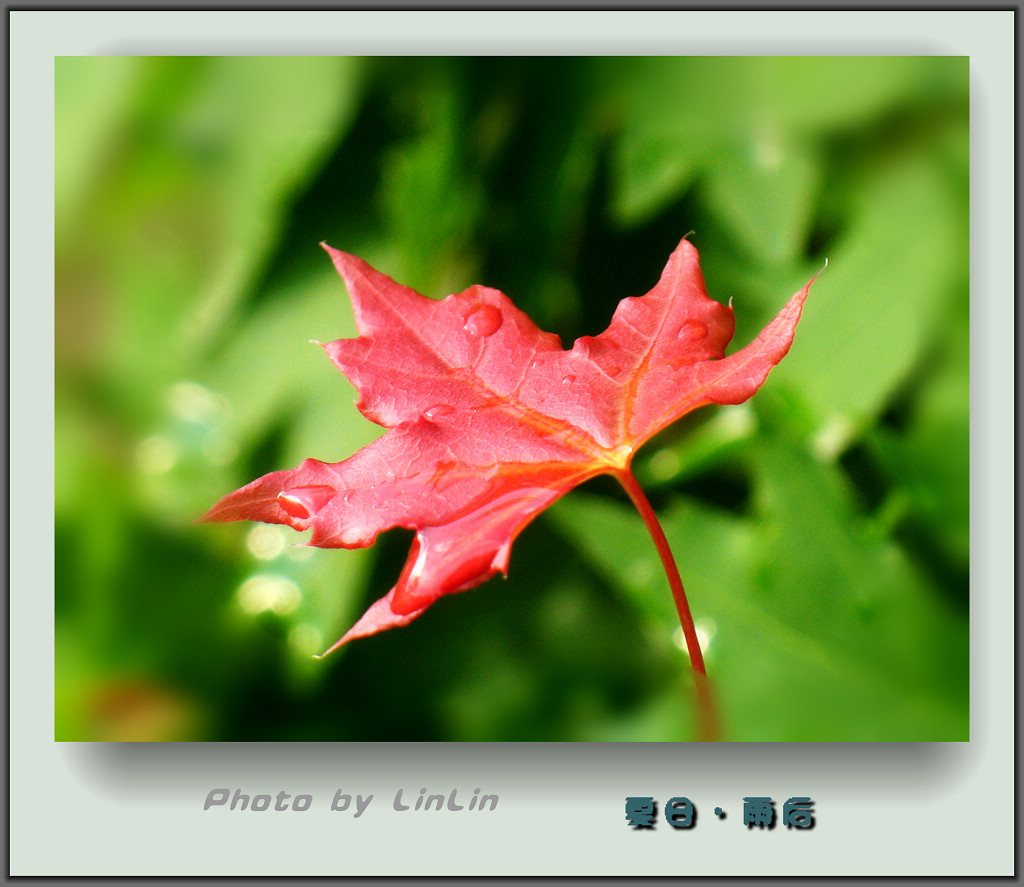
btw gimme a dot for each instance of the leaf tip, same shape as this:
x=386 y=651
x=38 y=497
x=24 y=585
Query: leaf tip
x=339 y=258
x=210 y=516
x=338 y=643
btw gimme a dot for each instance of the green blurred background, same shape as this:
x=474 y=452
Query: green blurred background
x=821 y=529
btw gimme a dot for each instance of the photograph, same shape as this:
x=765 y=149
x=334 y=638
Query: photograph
x=492 y=399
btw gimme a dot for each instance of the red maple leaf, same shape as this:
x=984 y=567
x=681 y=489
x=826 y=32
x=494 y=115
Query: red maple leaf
x=491 y=421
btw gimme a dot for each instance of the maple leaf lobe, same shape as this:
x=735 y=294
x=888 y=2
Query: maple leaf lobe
x=490 y=420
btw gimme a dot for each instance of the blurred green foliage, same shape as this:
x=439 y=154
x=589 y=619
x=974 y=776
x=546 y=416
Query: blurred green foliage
x=821 y=529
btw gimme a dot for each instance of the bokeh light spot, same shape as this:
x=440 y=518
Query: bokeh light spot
x=832 y=439
x=306 y=639
x=665 y=464
x=268 y=592
x=265 y=541
x=156 y=455
x=194 y=403
x=705 y=629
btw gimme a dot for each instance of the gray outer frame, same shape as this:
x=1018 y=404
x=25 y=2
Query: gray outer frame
x=885 y=809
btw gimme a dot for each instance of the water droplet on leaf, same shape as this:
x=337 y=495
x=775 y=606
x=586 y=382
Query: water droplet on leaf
x=483 y=320
x=438 y=411
x=304 y=502
x=692 y=330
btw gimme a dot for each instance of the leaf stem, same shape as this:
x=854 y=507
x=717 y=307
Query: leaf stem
x=707 y=721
